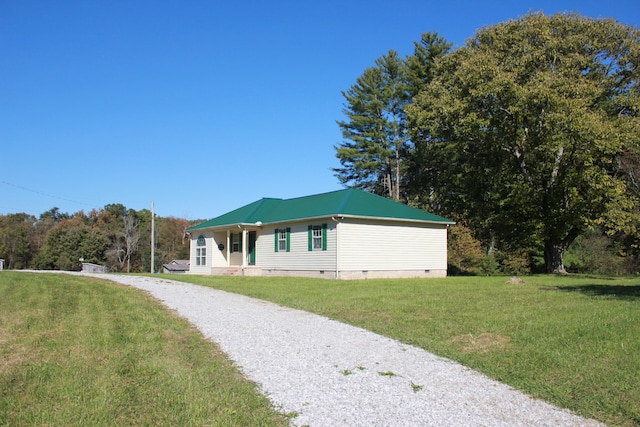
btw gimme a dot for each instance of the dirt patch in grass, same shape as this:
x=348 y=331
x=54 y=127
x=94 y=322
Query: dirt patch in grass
x=483 y=343
x=15 y=355
x=11 y=353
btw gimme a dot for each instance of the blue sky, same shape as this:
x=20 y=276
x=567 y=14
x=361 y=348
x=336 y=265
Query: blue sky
x=200 y=106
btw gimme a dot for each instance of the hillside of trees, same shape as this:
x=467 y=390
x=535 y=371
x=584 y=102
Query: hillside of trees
x=114 y=236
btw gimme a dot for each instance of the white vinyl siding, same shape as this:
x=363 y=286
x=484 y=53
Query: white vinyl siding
x=214 y=256
x=235 y=249
x=198 y=264
x=377 y=246
x=298 y=257
x=235 y=259
x=219 y=257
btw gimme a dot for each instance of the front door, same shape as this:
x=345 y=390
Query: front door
x=252 y=248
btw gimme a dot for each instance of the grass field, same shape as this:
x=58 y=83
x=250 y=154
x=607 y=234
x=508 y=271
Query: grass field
x=75 y=350
x=573 y=341
x=80 y=351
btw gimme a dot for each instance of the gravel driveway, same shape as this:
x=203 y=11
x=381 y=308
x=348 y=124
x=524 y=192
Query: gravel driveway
x=332 y=374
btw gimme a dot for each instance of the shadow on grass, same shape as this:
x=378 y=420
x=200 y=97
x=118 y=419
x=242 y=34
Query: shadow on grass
x=629 y=293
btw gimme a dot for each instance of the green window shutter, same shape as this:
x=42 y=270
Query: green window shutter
x=239 y=242
x=288 y=239
x=310 y=243
x=275 y=233
x=230 y=243
x=324 y=237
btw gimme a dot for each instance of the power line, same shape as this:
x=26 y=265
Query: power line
x=42 y=193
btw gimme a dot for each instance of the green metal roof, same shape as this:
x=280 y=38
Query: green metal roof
x=350 y=202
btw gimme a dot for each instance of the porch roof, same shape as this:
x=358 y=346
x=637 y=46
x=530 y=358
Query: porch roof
x=350 y=202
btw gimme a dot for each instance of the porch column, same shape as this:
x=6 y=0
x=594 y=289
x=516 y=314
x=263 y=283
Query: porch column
x=244 y=248
x=228 y=248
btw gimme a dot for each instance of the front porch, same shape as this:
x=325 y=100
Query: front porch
x=238 y=270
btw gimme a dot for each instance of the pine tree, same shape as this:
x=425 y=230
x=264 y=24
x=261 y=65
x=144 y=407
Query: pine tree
x=373 y=155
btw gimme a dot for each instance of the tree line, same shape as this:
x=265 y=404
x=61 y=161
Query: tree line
x=528 y=136
x=114 y=236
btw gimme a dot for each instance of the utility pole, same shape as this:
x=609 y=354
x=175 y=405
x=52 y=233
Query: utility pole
x=153 y=238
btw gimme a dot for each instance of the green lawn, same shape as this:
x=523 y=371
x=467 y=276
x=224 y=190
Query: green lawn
x=75 y=350
x=573 y=341
x=80 y=351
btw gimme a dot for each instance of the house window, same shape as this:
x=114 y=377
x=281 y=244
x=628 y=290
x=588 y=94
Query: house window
x=235 y=243
x=318 y=237
x=201 y=251
x=282 y=239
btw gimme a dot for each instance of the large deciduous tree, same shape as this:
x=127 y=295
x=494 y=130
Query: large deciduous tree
x=170 y=238
x=46 y=222
x=128 y=238
x=522 y=130
x=69 y=242
x=15 y=239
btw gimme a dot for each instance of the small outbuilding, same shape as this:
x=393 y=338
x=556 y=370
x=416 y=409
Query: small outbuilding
x=88 y=267
x=177 y=266
x=345 y=234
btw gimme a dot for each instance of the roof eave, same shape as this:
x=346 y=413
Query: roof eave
x=246 y=225
x=259 y=224
x=360 y=217
x=394 y=219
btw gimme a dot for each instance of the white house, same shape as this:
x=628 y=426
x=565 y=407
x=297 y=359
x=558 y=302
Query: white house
x=345 y=234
